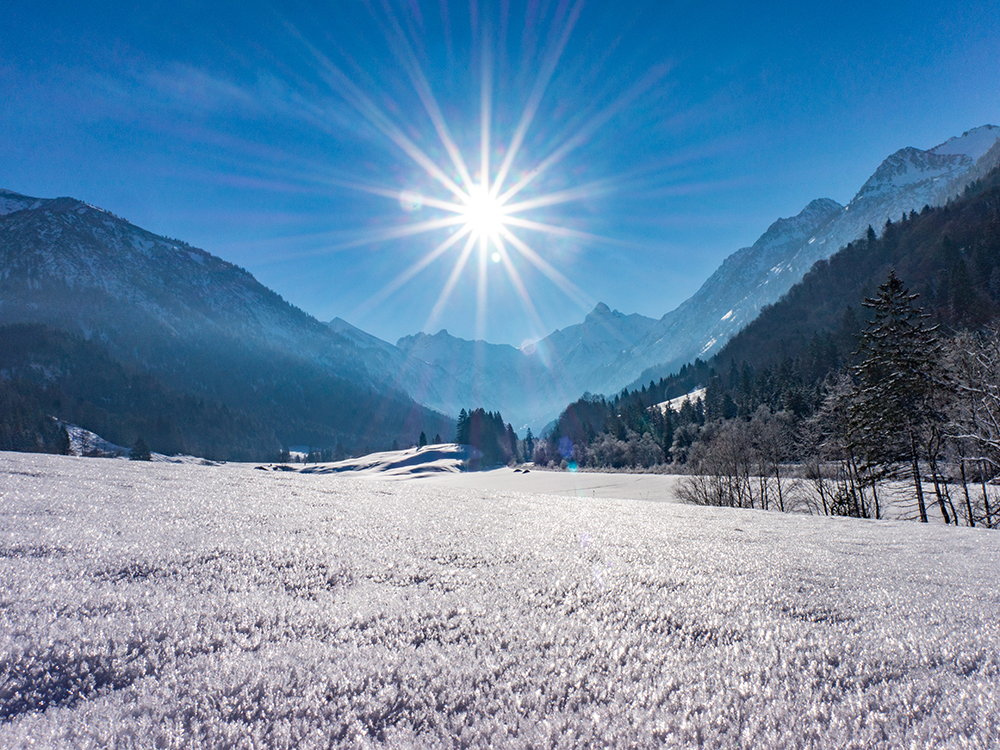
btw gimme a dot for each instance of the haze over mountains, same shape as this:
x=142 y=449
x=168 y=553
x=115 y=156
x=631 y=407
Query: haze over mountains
x=203 y=326
x=610 y=350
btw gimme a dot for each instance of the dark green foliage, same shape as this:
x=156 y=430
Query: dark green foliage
x=57 y=374
x=140 y=451
x=422 y=441
x=951 y=255
x=218 y=365
x=898 y=378
x=627 y=431
x=77 y=382
x=486 y=432
x=24 y=425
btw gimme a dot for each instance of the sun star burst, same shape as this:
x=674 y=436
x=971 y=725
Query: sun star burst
x=483 y=213
x=486 y=211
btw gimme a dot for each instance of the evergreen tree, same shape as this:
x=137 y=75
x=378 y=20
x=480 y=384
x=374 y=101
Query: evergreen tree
x=140 y=451
x=423 y=440
x=898 y=378
x=63 y=446
x=462 y=431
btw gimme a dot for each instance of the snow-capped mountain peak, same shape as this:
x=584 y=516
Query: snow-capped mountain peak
x=11 y=202
x=600 y=311
x=782 y=231
x=909 y=167
x=972 y=143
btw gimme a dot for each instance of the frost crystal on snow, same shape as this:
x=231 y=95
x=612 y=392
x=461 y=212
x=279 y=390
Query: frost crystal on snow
x=175 y=605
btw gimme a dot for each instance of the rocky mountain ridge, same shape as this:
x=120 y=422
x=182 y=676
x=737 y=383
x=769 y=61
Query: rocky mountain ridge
x=754 y=277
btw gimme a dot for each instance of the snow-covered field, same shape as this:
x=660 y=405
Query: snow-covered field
x=175 y=605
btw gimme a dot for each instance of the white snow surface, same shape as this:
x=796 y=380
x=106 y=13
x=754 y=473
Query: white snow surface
x=407 y=463
x=676 y=403
x=83 y=442
x=442 y=465
x=173 y=605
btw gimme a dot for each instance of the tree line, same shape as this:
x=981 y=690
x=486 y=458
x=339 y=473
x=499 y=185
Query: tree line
x=48 y=376
x=916 y=408
x=495 y=443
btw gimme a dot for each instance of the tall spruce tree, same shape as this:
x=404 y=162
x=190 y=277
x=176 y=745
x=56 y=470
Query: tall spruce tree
x=898 y=378
x=462 y=430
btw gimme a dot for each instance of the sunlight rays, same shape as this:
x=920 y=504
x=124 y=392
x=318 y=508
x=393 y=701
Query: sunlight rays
x=449 y=285
x=479 y=208
x=399 y=281
x=535 y=98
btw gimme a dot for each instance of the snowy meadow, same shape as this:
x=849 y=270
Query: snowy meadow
x=175 y=605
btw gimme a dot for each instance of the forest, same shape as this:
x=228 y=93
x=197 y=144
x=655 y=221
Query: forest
x=49 y=376
x=881 y=364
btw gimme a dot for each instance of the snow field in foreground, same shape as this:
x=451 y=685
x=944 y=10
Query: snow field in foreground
x=161 y=605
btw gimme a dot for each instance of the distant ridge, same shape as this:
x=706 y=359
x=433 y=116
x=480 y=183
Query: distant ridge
x=199 y=325
x=609 y=350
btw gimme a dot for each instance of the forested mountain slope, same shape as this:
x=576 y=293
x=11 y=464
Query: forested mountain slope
x=755 y=277
x=198 y=326
x=783 y=362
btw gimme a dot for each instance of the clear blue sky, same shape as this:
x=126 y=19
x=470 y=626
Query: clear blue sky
x=690 y=127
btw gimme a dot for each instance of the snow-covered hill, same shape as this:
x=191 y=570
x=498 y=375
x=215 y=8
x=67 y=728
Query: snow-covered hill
x=159 y=605
x=409 y=463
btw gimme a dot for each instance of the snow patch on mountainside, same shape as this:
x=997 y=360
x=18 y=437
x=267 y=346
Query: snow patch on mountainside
x=675 y=404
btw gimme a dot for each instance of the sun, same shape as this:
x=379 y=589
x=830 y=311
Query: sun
x=483 y=213
x=483 y=208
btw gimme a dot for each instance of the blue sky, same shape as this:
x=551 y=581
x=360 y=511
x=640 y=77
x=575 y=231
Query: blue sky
x=276 y=136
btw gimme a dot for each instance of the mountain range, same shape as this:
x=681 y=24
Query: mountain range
x=609 y=350
x=205 y=327
x=199 y=325
x=756 y=276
